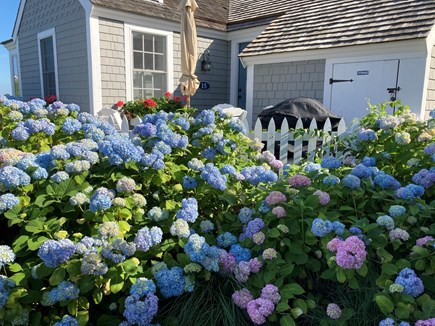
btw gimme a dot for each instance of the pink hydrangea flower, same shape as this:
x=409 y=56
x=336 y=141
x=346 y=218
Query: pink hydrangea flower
x=428 y=322
x=275 y=197
x=255 y=265
x=351 y=253
x=334 y=244
x=323 y=197
x=333 y=311
x=422 y=241
x=276 y=164
x=279 y=211
x=299 y=181
x=242 y=297
x=400 y=234
x=259 y=309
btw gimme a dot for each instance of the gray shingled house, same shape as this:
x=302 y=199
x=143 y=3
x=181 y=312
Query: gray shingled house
x=341 y=52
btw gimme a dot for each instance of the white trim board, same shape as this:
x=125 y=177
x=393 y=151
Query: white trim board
x=128 y=30
x=42 y=35
x=411 y=46
x=15 y=52
x=237 y=37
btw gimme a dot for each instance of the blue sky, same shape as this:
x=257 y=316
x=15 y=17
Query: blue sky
x=9 y=9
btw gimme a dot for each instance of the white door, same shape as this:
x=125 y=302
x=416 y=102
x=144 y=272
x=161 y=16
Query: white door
x=355 y=84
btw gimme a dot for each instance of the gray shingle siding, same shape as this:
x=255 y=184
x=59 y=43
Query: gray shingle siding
x=218 y=77
x=274 y=83
x=69 y=20
x=112 y=52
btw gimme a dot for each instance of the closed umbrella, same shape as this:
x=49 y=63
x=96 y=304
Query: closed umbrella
x=189 y=82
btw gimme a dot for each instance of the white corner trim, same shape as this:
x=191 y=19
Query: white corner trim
x=42 y=35
x=94 y=64
x=250 y=94
x=128 y=35
x=87 y=5
x=18 y=19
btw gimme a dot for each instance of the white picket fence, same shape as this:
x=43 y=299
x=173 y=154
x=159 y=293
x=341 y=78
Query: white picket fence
x=291 y=148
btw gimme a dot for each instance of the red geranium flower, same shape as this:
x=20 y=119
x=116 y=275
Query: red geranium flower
x=168 y=94
x=119 y=103
x=184 y=98
x=176 y=98
x=149 y=103
x=50 y=99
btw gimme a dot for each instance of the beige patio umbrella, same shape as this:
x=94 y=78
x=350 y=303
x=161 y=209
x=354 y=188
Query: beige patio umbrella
x=189 y=82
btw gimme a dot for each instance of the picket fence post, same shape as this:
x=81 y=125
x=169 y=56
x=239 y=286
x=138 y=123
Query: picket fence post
x=284 y=136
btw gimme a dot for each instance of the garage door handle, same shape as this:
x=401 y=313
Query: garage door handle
x=332 y=81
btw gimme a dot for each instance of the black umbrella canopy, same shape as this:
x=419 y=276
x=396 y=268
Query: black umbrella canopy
x=299 y=107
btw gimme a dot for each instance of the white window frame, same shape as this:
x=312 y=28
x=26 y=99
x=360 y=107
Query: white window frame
x=15 y=53
x=128 y=37
x=42 y=35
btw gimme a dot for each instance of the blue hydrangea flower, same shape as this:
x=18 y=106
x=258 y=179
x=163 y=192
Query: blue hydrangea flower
x=189 y=210
x=385 y=221
x=338 y=227
x=320 y=228
x=54 y=253
x=11 y=177
x=226 y=240
x=386 y=181
x=65 y=291
x=253 y=227
x=258 y=174
x=396 y=210
x=205 y=118
x=361 y=171
x=93 y=264
x=387 y=322
x=146 y=238
x=170 y=282
x=366 y=135
x=241 y=254
x=411 y=283
x=355 y=230
x=351 y=181
x=214 y=178
x=189 y=183
x=5 y=286
x=245 y=215
x=330 y=162
x=100 y=202
x=140 y=311
x=311 y=167
x=410 y=192
x=206 y=226
x=7 y=202
x=71 y=126
x=158 y=214
x=368 y=161
x=228 y=169
x=143 y=287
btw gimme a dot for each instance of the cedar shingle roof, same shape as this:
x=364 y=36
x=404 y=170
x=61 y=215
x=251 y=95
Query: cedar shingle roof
x=211 y=13
x=320 y=24
x=295 y=25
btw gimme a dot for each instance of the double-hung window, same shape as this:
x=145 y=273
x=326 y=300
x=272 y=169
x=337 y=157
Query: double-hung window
x=48 y=63
x=149 y=65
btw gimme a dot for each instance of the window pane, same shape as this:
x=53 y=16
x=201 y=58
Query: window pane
x=149 y=64
x=48 y=69
x=148 y=40
x=160 y=62
x=160 y=82
x=148 y=81
x=159 y=44
x=137 y=79
x=149 y=93
x=138 y=60
x=138 y=94
x=137 y=42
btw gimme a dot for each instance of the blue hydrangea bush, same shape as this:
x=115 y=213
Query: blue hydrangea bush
x=103 y=228
x=97 y=227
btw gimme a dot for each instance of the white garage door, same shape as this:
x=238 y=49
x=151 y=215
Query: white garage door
x=354 y=84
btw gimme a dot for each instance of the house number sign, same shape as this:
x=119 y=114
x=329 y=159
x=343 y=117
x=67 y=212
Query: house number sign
x=204 y=85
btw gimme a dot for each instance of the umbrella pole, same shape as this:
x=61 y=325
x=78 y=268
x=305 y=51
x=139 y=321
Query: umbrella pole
x=188 y=102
